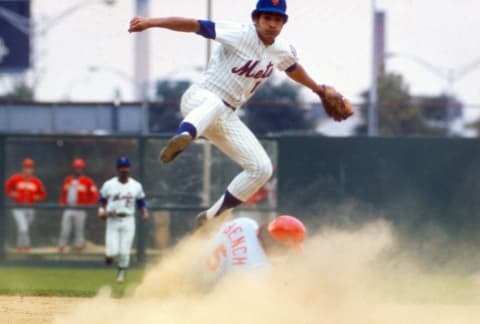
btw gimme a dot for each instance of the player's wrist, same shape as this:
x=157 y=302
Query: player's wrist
x=319 y=88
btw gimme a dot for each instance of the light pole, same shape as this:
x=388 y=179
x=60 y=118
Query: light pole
x=209 y=41
x=372 y=106
x=207 y=147
x=449 y=75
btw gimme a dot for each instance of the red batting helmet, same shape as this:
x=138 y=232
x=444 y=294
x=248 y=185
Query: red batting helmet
x=289 y=231
x=78 y=163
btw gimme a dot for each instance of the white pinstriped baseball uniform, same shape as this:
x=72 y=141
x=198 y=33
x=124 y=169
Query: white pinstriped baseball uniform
x=237 y=68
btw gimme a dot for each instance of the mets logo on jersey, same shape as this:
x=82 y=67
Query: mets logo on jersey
x=248 y=70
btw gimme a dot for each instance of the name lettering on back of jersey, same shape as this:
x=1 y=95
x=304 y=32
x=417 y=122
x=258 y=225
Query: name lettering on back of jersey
x=246 y=70
x=237 y=242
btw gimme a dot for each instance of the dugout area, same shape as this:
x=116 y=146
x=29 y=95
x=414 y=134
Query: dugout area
x=426 y=187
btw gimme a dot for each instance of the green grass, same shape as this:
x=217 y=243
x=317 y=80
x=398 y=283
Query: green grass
x=64 y=281
x=73 y=282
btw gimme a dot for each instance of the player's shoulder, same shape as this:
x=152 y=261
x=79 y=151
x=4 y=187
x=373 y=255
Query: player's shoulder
x=231 y=25
x=110 y=181
x=283 y=45
x=246 y=223
x=15 y=177
x=86 y=179
x=134 y=181
x=35 y=179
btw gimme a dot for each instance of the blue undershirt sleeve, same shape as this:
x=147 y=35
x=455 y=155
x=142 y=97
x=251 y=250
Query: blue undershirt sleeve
x=207 y=29
x=291 y=68
x=141 y=203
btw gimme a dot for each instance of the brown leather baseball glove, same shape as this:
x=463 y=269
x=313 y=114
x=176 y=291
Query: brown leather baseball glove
x=335 y=105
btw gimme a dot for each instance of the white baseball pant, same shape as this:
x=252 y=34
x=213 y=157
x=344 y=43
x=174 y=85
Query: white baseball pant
x=23 y=218
x=222 y=126
x=73 y=218
x=119 y=234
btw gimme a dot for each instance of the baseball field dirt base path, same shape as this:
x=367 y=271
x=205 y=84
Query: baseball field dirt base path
x=34 y=310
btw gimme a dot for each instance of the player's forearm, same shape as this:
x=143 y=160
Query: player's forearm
x=173 y=23
x=176 y=24
x=301 y=76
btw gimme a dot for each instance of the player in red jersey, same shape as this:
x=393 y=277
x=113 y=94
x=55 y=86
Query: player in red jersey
x=24 y=189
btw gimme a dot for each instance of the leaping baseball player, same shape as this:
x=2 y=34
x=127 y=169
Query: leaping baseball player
x=243 y=245
x=246 y=57
x=118 y=198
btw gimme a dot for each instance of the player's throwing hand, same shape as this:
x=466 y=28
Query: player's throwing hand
x=138 y=24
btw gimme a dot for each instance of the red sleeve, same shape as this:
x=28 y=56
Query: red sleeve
x=42 y=194
x=93 y=192
x=63 y=192
x=10 y=185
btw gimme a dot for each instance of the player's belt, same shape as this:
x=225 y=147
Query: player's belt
x=122 y=215
x=229 y=105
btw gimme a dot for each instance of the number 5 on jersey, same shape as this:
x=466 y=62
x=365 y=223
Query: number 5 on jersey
x=213 y=262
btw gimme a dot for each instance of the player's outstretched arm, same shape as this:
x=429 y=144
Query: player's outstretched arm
x=301 y=76
x=138 y=24
x=335 y=105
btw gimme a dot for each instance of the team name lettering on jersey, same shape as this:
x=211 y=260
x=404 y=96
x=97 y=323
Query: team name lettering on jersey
x=247 y=70
x=128 y=198
x=26 y=185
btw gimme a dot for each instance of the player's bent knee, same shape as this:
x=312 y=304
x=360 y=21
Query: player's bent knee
x=263 y=172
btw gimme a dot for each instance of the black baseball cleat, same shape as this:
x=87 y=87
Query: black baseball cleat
x=175 y=146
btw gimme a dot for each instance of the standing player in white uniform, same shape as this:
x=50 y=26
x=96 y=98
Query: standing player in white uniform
x=242 y=245
x=118 y=198
x=245 y=59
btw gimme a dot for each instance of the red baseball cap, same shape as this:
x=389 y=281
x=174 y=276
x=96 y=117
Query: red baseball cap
x=28 y=163
x=78 y=163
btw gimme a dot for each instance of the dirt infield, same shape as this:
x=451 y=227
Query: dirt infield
x=34 y=310
x=40 y=310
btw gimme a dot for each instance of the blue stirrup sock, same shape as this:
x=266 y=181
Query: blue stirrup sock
x=187 y=127
x=228 y=201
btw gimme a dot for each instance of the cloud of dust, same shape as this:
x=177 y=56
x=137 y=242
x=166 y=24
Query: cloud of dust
x=330 y=283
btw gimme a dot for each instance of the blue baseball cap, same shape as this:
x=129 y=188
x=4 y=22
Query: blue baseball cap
x=276 y=6
x=123 y=161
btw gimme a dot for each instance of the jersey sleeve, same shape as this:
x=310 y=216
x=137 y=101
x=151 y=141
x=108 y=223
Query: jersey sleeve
x=41 y=192
x=63 y=192
x=288 y=59
x=93 y=192
x=10 y=185
x=104 y=191
x=227 y=33
x=140 y=193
